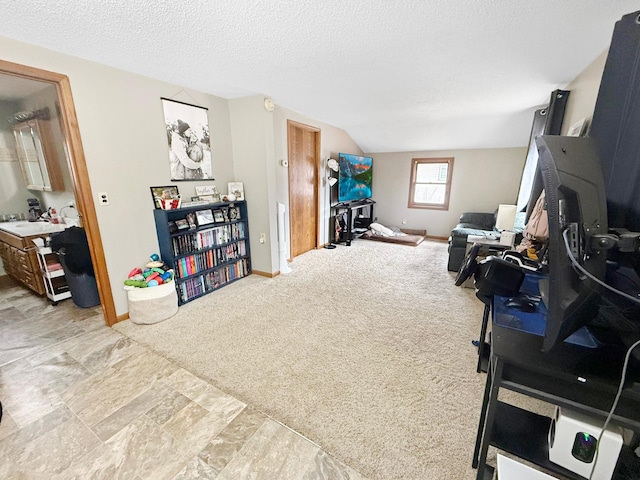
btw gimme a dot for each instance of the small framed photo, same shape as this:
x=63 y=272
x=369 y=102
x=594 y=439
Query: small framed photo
x=191 y=219
x=167 y=193
x=173 y=228
x=237 y=188
x=206 y=198
x=218 y=217
x=182 y=224
x=234 y=213
x=204 y=217
x=206 y=190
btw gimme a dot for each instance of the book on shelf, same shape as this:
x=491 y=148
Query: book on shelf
x=207 y=246
x=196 y=286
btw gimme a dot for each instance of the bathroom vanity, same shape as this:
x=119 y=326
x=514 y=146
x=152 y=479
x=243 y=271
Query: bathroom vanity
x=18 y=252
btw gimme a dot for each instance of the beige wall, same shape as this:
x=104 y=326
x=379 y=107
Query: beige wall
x=253 y=153
x=584 y=92
x=122 y=127
x=333 y=140
x=482 y=179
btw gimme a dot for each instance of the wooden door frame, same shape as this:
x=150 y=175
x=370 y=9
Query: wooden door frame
x=317 y=133
x=79 y=175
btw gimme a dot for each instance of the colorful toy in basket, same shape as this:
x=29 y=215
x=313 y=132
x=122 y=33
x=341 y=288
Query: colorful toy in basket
x=155 y=273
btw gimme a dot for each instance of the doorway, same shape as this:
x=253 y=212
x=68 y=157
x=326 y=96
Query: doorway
x=78 y=172
x=304 y=161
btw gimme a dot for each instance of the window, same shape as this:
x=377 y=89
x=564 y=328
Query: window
x=430 y=183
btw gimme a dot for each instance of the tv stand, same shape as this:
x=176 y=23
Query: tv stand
x=359 y=215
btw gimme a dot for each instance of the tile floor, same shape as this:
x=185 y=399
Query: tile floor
x=81 y=401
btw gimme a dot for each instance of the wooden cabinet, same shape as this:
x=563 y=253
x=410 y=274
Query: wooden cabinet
x=20 y=260
x=38 y=156
x=207 y=246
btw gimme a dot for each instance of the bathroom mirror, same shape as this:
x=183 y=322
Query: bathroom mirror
x=37 y=156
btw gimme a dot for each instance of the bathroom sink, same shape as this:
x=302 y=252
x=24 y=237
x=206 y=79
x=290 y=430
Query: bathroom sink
x=26 y=229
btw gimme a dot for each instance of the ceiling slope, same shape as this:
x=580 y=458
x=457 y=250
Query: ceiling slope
x=397 y=75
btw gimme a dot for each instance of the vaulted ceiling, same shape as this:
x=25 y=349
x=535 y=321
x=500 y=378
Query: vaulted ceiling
x=397 y=75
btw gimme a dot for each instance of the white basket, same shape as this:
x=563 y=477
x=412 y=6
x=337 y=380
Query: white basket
x=152 y=304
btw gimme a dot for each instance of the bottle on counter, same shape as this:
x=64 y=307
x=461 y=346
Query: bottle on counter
x=54 y=215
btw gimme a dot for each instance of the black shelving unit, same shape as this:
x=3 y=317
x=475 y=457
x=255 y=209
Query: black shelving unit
x=356 y=222
x=207 y=254
x=517 y=363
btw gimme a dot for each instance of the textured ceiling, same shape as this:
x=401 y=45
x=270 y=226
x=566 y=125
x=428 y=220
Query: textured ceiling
x=397 y=75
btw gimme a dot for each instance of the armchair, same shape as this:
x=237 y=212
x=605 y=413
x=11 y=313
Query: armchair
x=469 y=223
x=476 y=223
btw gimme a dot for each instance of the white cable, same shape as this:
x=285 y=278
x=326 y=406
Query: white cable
x=615 y=404
x=597 y=280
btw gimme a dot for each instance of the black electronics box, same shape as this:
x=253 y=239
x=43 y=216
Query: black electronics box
x=495 y=276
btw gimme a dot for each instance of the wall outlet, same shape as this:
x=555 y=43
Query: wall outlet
x=103 y=198
x=404 y=221
x=263 y=237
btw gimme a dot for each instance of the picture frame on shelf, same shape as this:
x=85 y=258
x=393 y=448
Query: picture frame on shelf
x=234 y=213
x=206 y=190
x=237 y=189
x=204 y=217
x=191 y=219
x=217 y=216
x=167 y=192
x=195 y=203
x=182 y=224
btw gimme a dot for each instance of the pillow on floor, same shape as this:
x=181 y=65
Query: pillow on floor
x=379 y=229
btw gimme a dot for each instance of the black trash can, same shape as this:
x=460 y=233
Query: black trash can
x=72 y=248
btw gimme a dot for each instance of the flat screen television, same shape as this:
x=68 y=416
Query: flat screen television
x=355 y=177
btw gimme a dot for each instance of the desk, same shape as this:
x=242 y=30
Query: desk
x=579 y=379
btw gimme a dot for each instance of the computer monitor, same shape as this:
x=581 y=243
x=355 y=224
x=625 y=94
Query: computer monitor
x=576 y=208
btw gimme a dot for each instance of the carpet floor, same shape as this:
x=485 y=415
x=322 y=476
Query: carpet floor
x=365 y=350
